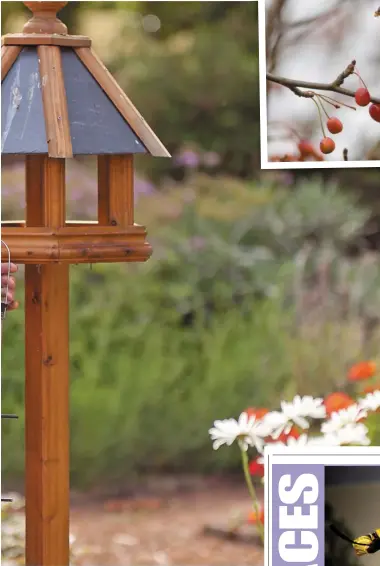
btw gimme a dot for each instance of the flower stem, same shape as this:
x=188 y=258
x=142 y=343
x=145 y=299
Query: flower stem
x=252 y=493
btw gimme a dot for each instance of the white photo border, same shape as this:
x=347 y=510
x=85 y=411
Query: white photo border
x=327 y=456
x=265 y=164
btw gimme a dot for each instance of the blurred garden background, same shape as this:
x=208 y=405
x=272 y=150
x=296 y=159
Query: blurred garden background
x=261 y=284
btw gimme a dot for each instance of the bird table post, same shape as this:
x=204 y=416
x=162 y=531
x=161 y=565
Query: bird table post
x=58 y=101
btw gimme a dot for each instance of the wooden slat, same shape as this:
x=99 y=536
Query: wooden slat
x=85 y=226
x=54 y=101
x=9 y=55
x=47 y=378
x=68 y=248
x=122 y=102
x=115 y=190
x=71 y=228
x=46 y=39
x=77 y=244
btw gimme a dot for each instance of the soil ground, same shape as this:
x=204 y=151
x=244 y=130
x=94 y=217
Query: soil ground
x=165 y=529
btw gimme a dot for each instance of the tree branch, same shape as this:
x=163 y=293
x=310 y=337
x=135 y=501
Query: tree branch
x=335 y=86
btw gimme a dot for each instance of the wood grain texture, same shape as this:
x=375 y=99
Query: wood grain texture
x=54 y=101
x=115 y=190
x=47 y=377
x=9 y=55
x=46 y=39
x=44 y=18
x=77 y=244
x=122 y=102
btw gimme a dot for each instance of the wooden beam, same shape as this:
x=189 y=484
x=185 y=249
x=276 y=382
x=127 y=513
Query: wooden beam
x=47 y=377
x=115 y=190
x=77 y=244
x=122 y=102
x=9 y=55
x=46 y=39
x=54 y=101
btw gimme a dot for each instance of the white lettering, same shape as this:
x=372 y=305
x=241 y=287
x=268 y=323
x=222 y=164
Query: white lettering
x=289 y=495
x=298 y=520
x=297 y=555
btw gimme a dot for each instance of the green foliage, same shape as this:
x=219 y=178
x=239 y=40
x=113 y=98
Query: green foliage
x=143 y=391
x=147 y=379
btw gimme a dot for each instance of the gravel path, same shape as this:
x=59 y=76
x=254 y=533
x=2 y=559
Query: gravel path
x=165 y=530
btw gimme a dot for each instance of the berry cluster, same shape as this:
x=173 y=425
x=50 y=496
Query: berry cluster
x=306 y=152
x=334 y=125
x=363 y=98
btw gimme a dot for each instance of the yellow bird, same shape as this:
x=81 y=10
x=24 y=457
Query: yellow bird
x=365 y=544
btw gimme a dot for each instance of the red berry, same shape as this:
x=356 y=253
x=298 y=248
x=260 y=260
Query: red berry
x=306 y=148
x=327 y=145
x=362 y=97
x=374 y=111
x=334 y=125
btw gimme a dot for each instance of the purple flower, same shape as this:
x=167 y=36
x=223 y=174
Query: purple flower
x=187 y=158
x=143 y=187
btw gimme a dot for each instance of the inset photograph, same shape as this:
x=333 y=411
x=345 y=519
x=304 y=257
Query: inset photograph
x=352 y=503
x=320 y=84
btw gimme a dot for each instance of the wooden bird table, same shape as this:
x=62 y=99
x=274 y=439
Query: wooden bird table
x=58 y=101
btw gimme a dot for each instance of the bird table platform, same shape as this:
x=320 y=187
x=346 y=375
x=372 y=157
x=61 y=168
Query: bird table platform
x=59 y=101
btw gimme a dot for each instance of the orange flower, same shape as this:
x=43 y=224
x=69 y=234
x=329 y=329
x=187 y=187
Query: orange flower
x=252 y=517
x=256 y=469
x=258 y=413
x=371 y=388
x=337 y=401
x=362 y=370
x=292 y=433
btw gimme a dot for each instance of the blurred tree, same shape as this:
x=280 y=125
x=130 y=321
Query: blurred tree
x=196 y=80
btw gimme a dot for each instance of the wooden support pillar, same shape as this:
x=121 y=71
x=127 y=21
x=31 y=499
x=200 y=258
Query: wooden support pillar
x=47 y=376
x=115 y=190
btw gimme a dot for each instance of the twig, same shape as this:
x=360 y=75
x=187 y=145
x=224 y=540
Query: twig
x=335 y=86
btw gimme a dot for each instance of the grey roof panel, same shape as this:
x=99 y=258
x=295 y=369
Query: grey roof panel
x=22 y=115
x=96 y=125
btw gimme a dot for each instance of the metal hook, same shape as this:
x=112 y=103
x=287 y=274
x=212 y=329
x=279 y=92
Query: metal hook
x=4 y=305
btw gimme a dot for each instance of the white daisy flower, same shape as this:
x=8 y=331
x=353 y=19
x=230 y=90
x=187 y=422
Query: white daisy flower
x=353 y=433
x=258 y=433
x=260 y=459
x=341 y=418
x=246 y=430
x=302 y=440
x=325 y=440
x=295 y=413
x=276 y=423
x=370 y=402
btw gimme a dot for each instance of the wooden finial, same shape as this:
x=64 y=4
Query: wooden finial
x=44 y=18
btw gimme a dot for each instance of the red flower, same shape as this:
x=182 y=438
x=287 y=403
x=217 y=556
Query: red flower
x=252 y=517
x=362 y=370
x=337 y=401
x=258 y=413
x=256 y=469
